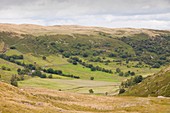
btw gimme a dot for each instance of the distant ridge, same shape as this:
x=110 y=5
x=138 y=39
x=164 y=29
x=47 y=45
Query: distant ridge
x=76 y=29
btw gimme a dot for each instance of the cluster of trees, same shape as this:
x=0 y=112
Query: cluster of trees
x=73 y=49
x=28 y=67
x=126 y=74
x=33 y=73
x=95 y=59
x=23 y=71
x=59 y=72
x=39 y=74
x=130 y=82
x=14 y=81
x=153 y=52
x=15 y=78
x=75 y=60
x=11 y=58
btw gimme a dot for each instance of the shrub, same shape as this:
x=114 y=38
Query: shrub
x=3 y=68
x=138 y=79
x=50 y=70
x=74 y=63
x=93 y=69
x=18 y=70
x=126 y=74
x=43 y=76
x=118 y=70
x=121 y=74
x=8 y=69
x=37 y=73
x=91 y=78
x=132 y=73
x=91 y=91
x=121 y=91
x=156 y=65
x=44 y=58
x=50 y=76
x=12 y=47
x=14 y=81
x=85 y=55
x=112 y=55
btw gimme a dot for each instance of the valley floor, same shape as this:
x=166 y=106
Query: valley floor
x=40 y=100
x=72 y=85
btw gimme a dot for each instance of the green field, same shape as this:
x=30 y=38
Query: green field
x=114 y=53
x=72 y=85
x=102 y=83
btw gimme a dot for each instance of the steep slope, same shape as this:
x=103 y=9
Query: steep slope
x=156 y=85
x=14 y=100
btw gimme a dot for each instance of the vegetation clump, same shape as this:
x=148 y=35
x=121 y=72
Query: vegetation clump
x=14 y=81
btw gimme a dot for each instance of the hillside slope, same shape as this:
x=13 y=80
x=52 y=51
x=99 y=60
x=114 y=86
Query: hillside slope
x=14 y=100
x=156 y=85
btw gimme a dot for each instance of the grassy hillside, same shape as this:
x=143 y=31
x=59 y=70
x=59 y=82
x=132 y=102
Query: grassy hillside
x=34 y=100
x=56 y=65
x=77 y=52
x=5 y=73
x=156 y=85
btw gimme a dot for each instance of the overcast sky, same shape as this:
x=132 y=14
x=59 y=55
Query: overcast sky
x=153 y=14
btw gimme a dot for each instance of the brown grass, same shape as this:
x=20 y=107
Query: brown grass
x=34 y=100
x=74 y=29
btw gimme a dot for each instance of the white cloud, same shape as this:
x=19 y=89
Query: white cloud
x=108 y=13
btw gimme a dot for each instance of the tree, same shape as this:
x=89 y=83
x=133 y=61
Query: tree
x=126 y=74
x=18 y=70
x=67 y=54
x=44 y=58
x=121 y=74
x=132 y=73
x=156 y=65
x=121 y=91
x=118 y=70
x=14 y=81
x=43 y=76
x=74 y=62
x=127 y=61
x=12 y=47
x=112 y=55
x=138 y=79
x=85 y=55
x=37 y=73
x=91 y=91
x=93 y=69
x=50 y=70
x=91 y=78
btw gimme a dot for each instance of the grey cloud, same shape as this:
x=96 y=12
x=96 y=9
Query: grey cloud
x=117 y=7
x=85 y=12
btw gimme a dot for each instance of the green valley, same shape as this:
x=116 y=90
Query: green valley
x=49 y=63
